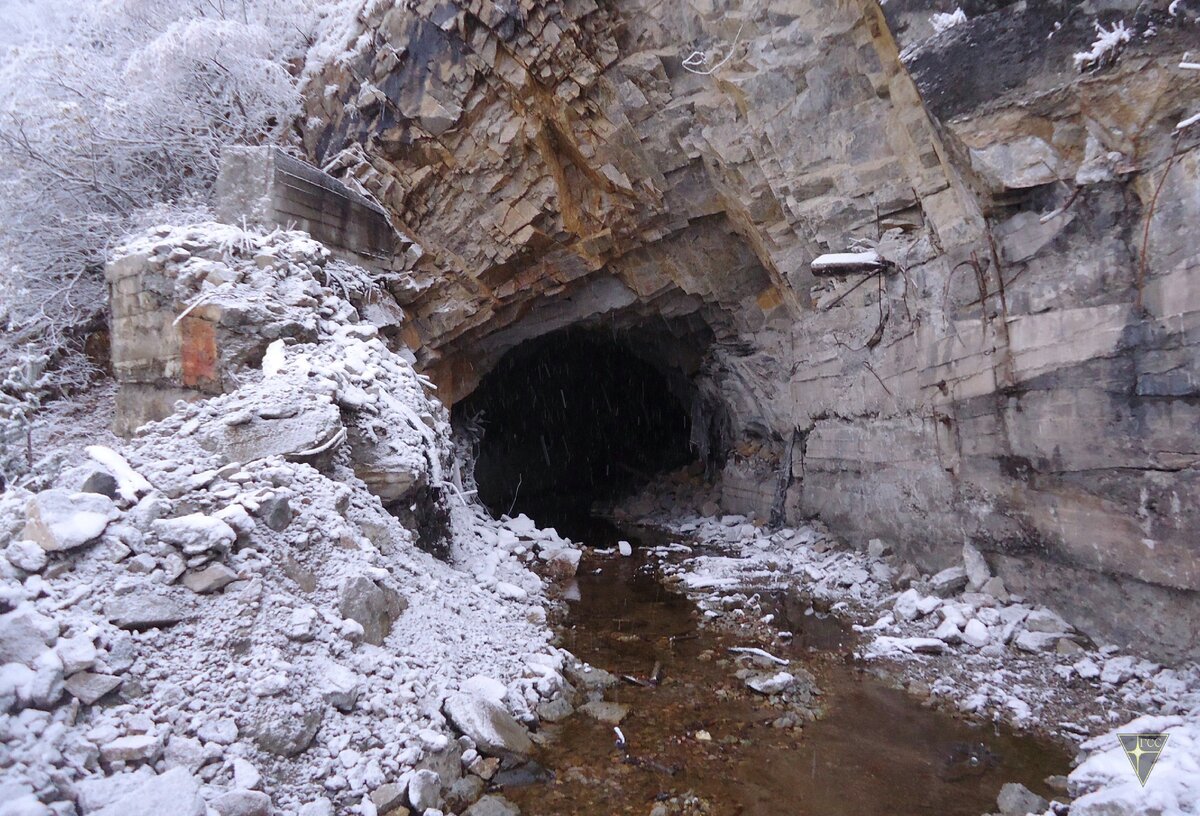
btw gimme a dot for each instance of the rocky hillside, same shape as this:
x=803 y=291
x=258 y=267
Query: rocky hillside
x=223 y=616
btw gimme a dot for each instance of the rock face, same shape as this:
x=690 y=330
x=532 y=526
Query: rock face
x=1024 y=378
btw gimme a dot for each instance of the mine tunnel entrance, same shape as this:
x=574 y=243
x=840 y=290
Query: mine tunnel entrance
x=575 y=416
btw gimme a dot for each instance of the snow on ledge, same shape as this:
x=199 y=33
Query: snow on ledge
x=848 y=263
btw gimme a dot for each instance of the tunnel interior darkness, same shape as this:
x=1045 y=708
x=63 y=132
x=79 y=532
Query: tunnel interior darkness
x=572 y=417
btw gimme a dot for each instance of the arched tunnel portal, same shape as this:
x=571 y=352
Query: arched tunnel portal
x=591 y=412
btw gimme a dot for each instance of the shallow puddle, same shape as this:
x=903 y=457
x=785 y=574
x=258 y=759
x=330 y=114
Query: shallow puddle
x=700 y=732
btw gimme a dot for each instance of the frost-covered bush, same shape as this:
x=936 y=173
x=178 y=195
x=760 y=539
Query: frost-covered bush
x=22 y=388
x=110 y=108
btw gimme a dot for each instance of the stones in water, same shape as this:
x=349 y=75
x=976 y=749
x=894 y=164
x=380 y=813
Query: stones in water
x=493 y=806
x=605 y=712
x=1017 y=800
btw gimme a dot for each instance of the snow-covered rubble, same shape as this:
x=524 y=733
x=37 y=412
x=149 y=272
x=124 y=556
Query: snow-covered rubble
x=958 y=636
x=236 y=623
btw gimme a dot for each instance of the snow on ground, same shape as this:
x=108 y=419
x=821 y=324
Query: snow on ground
x=221 y=615
x=958 y=636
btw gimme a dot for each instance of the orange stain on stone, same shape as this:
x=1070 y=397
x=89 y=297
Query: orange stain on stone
x=199 y=351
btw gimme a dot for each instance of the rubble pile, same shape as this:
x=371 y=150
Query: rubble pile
x=234 y=613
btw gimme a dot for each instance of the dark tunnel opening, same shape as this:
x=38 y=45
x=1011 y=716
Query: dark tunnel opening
x=572 y=417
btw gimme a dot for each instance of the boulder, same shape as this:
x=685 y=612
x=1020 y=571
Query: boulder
x=97 y=479
x=1017 y=800
x=222 y=731
x=322 y=807
x=563 y=563
x=975 y=567
x=195 y=534
x=494 y=730
x=390 y=797
x=493 y=806
x=77 y=653
x=373 y=606
x=132 y=748
x=949 y=581
x=306 y=428
x=605 y=712
x=424 y=790
x=342 y=687
x=59 y=520
x=276 y=513
x=174 y=792
x=905 y=608
x=1043 y=620
x=1036 y=641
x=975 y=633
x=588 y=678
x=770 y=683
x=92 y=793
x=26 y=555
x=88 y=687
x=212 y=578
x=145 y=609
x=46 y=686
x=184 y=752
x=948 y=631
x=389 y=474
x=245 y=775
x=242 y=803
x=287 y=736
x=25 y=634
x=994 y=586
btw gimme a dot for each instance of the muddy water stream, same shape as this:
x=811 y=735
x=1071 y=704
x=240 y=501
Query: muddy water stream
x=701 y=733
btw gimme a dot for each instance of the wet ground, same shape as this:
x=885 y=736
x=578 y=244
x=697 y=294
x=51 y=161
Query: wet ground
x=701 y=742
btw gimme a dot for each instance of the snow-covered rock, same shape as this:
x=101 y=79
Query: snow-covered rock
x=25 y=634
x=975 y=566
x=88 y=687
x=1043 y=620
x=905 y=607
x=975 y=633
x=175 y=792
x=949 y=581
x=26 y=555
x=372 y=605
x=145 y=608
x=59 y=520
x=210 y=579
x=195 y=534
x=488 y=724
x=1104 y=783
x=771 y=683
x=424 y=790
